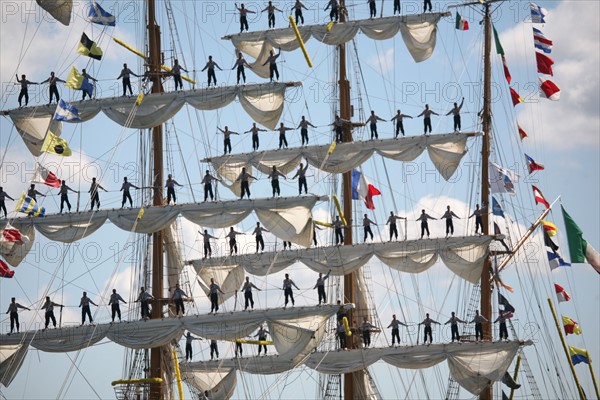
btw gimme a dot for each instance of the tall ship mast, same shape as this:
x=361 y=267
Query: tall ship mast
x=226 y=226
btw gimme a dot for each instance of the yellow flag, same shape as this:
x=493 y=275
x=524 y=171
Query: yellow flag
x=55 y=145
x=549 y=227
x=74 y=80
x=140 y=213
x=331 y=148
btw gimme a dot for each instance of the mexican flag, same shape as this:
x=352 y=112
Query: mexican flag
x=461 y=24
x=579 y=249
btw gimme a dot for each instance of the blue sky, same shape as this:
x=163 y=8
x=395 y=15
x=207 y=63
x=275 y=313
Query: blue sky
x=562 y=135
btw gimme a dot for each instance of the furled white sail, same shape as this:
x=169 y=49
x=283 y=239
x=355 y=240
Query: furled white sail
x=445 y=152
x=263 y=102
x=11 y=359
x=473 y=365
x=220 y=385
x=419 y=33
x=462 y=255
x=290 y=218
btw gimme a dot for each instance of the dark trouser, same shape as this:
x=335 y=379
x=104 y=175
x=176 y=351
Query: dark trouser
x=260 y=346
x=214 y=350
x=226 y=146
x=50 y=316
x=96 y=199
x=334 y=14
x=374 y=131
x=211 y=76
x=342 y=337
x=85 y=310
x=428 y=332
x=367 y=338
x=126 y=196
x=503 y=331
x=399 y=128
x=273 y=71
x=145 y=309
x=454 y=330
x=368 y=231
x=243 y=23
x=116 y=310
x=3 y=208
x=275 y=186
x=302 y=184
x=304 y=136
x=207 y=250
x=208 y=191
x=245 y=189
x=424 y=228
x=127 y=85
x=178 y=82
x=286 y=244
x=321 y=293
x=171 y=195
x=23 y=93
x=179 y=305
x=271 y=20
x=241 y=73
x=214 y=302
x=238 y=348
x=232 y=246
x=397 y=9
x=64 y=199
x=188 y=351
x=315 y=237
x=260 y=243
x=372 y=9
x=393 y=231
x=53 y=92
x=478 y=332
x=299 y=16
x=14 y=319
x=449 y=227
x=395 y=336
x=478 y=223
x=255 y=142
x=282 y=138
x=425 y=4
x=338 y=134
x=248 y=300
x=426 y=124
x=339 y=236
x=289 y=294
x=456 y=123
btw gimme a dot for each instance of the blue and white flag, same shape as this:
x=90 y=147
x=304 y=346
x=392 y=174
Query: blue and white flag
x=496 y=209
x=540 y=41
x=538 y=14
x=502 y=180
x=555 y=261
x=97 y=15
x=66 y=112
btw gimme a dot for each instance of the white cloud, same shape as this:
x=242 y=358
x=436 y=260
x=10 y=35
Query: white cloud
x=383 y=62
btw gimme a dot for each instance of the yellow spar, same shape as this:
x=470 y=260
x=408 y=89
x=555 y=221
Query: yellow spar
x=300 y=41
x=139 y=53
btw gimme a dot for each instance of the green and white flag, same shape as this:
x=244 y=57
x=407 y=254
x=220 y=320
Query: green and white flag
x=579 y=249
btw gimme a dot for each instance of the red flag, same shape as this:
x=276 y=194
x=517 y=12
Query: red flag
x=506 y=71
x=11 y=234
x=46 y=177
x=539 y=197
x=522 y=132
x=5 y=272
x=561 y=293
x=516 y=98
x=571 y=326
x=544 y=63
x=532 y=165
x=548 y=89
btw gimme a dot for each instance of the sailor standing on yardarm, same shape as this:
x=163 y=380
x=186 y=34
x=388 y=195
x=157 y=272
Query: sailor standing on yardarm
x=424 y=224
x=427 y=323
x=373 y=124
x=287 y=290
x=13 y=309
x=393 y=227
x=297 y=8
x=64 y=198
x=24 y=93
x=255 y=130
x=260 y=243
x=243 y=16
x=49 y=314
x=303 y=125
x=272 y=61
x=453 y=321
x=395 y=325
x=115 y=298
x=188 y=346
x=3 y=197
x=94 y=195
x=125 y=74
x=232 y=242
x=84 y=303
x=247 y=290
x=210 y=66
x=170 y=185
x=271 y=13
x=178 y=295
x=478 y=218
x=240 y=63
x=206 y=241
x=227 y=139
x=125 y=189
x=449 y=224
x=282 y=139
x=214 y=290
x=176 y=72
x=337 y=227
x=478 y=320
x=262 y=336
x=244 y=179
x=301 y=174
x=274 y=177
x=207 y=182
x=320 y=286
x=32 y=192
x=367 y=227
x=143 y=298
x=52 y=81
x=399 y=124
x=427 y=112
x=456 y=112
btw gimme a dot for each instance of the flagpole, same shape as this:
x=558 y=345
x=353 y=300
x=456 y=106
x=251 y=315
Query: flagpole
x=564 y=343
x=587 y=353
x=512 y=390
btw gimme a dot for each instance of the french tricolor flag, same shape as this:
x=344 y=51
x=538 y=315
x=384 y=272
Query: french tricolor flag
x=362 y=189
x=540 y=41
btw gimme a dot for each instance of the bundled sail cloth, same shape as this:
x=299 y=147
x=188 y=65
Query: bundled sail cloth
x=446 y=151
x=462 y=255
x=263 y=103
x=419 y=33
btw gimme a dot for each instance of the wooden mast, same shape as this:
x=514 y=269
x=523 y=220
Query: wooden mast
x=154 y=62
x=486 y=289
x=352 y=381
